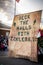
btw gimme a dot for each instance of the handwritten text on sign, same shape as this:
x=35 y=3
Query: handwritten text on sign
x=24 y=29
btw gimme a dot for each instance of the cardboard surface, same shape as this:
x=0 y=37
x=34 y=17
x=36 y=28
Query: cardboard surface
x=23 y=35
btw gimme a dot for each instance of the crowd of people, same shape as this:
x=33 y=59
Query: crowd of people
x=3 y=42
